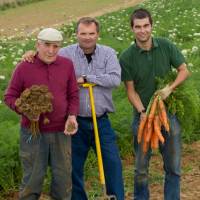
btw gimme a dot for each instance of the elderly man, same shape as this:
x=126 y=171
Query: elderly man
x=97 y=64
x=53 y=145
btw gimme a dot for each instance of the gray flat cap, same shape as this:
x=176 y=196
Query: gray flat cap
x=50 y=35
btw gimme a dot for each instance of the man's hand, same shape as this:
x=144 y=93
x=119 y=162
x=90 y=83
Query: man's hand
x=71 y=125
x=142 y=116
x=29 y=56
x=32 y=117
x=80 y=80
x=165 y=92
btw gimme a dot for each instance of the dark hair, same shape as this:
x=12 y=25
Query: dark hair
x=88 y=21
x=140 y=13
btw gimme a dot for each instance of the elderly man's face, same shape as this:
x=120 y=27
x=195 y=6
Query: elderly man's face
x=87 y=36
x=47 y=51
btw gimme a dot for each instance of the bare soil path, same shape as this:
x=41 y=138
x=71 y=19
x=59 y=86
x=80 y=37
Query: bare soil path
x=26 y=19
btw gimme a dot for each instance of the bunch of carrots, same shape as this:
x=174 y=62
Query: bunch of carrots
x=33 y=102
x=149 y=131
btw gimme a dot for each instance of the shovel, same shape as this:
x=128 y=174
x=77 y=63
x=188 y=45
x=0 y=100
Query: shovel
x=98 y=146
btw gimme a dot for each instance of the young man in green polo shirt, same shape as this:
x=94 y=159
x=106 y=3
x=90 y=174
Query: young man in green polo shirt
x=144 y=60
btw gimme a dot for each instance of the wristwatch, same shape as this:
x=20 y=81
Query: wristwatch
x=142 y=111
x=84 y=78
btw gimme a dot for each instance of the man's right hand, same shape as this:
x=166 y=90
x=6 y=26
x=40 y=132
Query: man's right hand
x=143 y=115
x=29 y=56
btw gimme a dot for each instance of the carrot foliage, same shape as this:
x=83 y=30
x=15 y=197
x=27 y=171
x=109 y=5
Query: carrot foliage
x=185 y=103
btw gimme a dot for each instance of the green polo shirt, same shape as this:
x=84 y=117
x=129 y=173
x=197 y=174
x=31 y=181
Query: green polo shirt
x=142 y=66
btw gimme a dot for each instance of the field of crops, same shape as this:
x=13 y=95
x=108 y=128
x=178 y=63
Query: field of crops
x=177 y=20
x=6 y=4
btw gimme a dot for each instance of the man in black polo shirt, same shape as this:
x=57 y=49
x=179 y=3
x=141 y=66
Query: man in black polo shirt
x=144 y=60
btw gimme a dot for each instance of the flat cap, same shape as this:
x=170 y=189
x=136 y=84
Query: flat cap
x=50 y=35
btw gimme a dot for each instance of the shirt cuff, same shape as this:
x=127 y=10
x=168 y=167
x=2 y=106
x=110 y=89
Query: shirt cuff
x=91 y=78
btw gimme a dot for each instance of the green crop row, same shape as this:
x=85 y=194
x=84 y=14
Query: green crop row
x=4 y=5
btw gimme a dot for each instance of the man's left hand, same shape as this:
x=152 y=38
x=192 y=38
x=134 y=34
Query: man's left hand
x=165 y=92
x=71 y=125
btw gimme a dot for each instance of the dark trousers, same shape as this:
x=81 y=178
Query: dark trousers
x=81 y=143
x=53 y=149
x=171 y=154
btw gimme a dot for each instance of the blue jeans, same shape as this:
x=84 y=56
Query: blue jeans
x=52 y=149
x=171 y=153
x=81 y=143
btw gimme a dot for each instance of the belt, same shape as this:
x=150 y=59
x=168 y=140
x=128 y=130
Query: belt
x=90 y=118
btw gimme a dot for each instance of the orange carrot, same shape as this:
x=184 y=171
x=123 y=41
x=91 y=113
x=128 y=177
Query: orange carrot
x=163 y=114
x=152 y=111
x=154 y=141
x=145 y=144
x=160 y=116
x=141 y=128
x=157 y=129
x=149 y=133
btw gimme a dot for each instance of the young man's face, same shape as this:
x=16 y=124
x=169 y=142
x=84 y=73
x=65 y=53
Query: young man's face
x=142 y=29
x=87 y=36
x=47 y=51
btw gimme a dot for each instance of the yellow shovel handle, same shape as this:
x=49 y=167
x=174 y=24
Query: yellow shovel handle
x=97 y=142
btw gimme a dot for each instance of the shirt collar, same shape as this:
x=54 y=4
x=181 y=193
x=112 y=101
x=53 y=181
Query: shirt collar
x=83 y=54
x=154 y=42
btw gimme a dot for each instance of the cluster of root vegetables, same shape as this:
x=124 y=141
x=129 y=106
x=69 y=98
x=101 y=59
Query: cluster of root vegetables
x=149 y=130
x=33 y=102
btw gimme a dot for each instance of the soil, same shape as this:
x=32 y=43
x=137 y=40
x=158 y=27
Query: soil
x=190 y=179
x=29 y=18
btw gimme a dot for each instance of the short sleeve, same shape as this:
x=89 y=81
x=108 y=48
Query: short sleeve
x=176 y=57
x=126 y=70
